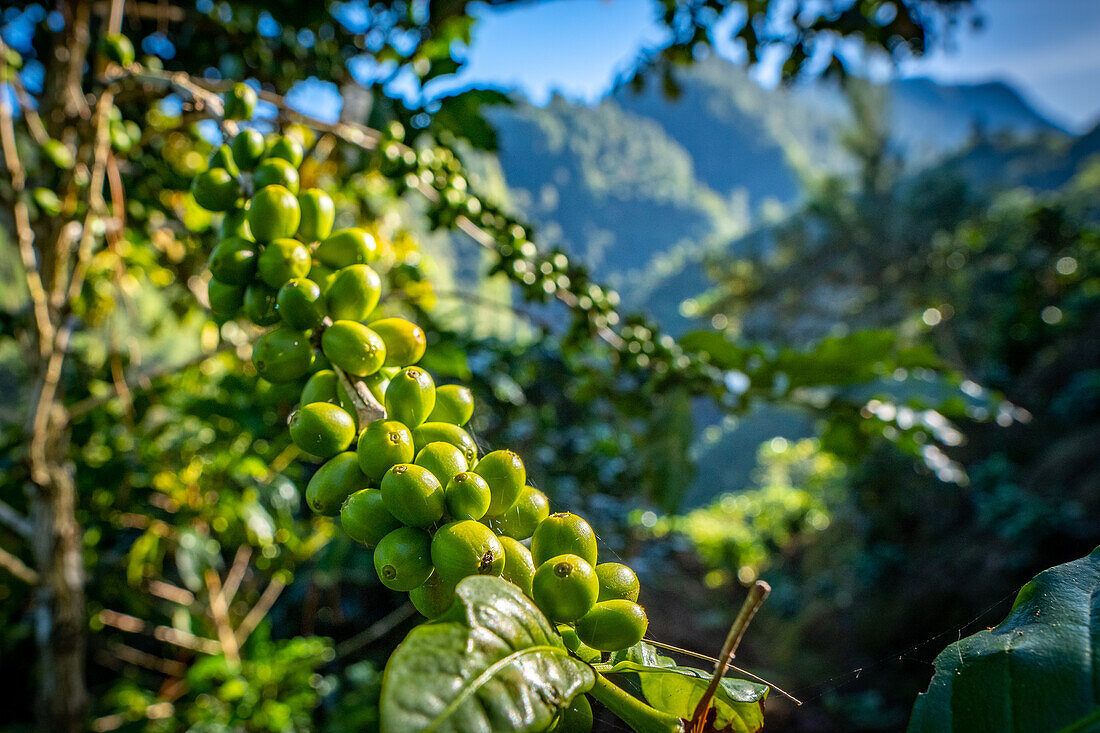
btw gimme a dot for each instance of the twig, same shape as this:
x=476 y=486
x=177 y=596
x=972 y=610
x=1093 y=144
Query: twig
x=170 y=592
x=366 y=406
x=131 y=655
x=376 y=631
x=236 y=573
x=259 y=611
x=18 y=568
x=220 y=614
x=15 y=521
x=134 y=625
x=757 y=593
x=24 y=232
x=731 y=667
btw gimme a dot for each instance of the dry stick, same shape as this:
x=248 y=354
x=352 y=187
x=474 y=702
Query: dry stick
x=220 y=614
x=733 y=667
x=178 y=637
x=236 y=573
x=18 y=568
x=259 y=611
x=169 y=592
x=757 y=593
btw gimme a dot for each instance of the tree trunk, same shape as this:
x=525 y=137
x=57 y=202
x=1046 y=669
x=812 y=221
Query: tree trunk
x=59 y=612
x=60 y=623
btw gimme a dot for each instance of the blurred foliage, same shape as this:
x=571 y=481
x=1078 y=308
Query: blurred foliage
x=790 y=499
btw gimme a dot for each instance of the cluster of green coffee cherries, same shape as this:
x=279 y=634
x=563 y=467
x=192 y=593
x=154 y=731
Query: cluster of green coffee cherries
x=412 y=484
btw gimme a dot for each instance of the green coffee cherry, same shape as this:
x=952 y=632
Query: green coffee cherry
x=347 y=247
x=563 y=533
x=405 y=341
x=402 y=558
x=299 y=304
x=223 y=158
x=453 y=404
x=430 y=432
x=216 y=189
x=574 y=644
x=276 y=172
x=504 y=472
x=617 y=582
x=225 y=300
x=273 y=214
x=365 y=518
x=248 y=148
x=353 y=293
x=410 y=397
x=322 y=429
x=382 y=445
x=333 y=483
x=413 y=495
x=261 y=304
x=287 y=149
x=565 y=588
x=321 y=387
x=322 y=275
x=240 y=102
x=318 y=215
x=353 y=347
x=613 y=625
x=466 y=494
x=443 y=460
x=377 y=384
x=519 y=568
x=235 y=224
x=520 y=521
x=233 y=260
x=577 y=718
x=283 y=260
x=464 y=548
x=282 y=355
x=433 y=598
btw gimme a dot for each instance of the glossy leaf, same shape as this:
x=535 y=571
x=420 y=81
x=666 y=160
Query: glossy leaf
x=491 y=663
x=1036 y=671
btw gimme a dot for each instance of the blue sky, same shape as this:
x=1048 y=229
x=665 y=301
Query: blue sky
x=1047 y=49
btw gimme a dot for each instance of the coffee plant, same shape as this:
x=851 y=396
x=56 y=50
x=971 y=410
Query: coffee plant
x=525 y=616
x=518 y=632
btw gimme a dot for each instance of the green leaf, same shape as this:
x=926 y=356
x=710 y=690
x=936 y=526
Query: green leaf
x=670 y=688
x=463 y=115
x=1039 y=670
x=491 y=663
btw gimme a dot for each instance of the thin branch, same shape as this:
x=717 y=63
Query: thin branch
x=134 y=625
x=23 y=230
x=366 y=405
x=260 y=610
x=220 y=613
x=236 y=573
x=16 y=521
x=170 y=592
x=137 y=657
x=376 y=631
x=18 y=568
x=732 y=667
x=757 y=593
